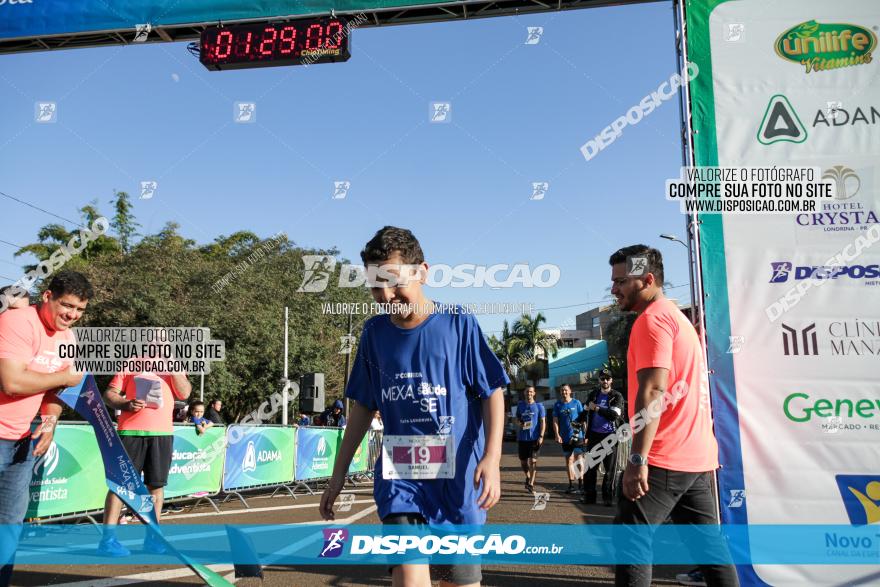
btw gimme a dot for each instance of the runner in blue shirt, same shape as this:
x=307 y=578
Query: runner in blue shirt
x=565 y=415
x=533 y=423
x=431 y=374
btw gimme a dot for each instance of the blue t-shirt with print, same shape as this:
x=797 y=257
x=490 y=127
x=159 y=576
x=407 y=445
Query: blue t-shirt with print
x=600 y=424
x=429 y=380
x=565 y=414
x=530 y=415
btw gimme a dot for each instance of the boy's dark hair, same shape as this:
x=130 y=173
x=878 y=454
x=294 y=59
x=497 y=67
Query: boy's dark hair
x=389 y=240
x=196 y=404
x=652 y=256
x=71 y=282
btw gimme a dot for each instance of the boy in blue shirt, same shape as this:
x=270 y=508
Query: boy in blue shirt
x=197 y=417
x=431 y=374
x=533 y=423
x=565 y=414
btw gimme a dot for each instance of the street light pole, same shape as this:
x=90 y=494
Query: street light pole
x=691 y=272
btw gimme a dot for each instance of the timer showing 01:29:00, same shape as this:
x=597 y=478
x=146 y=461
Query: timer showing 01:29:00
x=301 y=42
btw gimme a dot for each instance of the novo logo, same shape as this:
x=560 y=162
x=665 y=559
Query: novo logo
x=809 y=343
x=861 y=498
x=250 y=458
x=334 y=542
x=820 y=47
x=11 y=2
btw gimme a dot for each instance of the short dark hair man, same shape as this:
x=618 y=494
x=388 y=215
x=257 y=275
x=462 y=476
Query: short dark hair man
x=602 y=415
x=30 y=373
x=673 y=456
x=532 y=418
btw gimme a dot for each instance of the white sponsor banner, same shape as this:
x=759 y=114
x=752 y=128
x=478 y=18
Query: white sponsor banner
x=796 y=83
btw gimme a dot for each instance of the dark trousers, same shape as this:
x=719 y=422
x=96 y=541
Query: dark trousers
x=610 y=464
x=686 y=498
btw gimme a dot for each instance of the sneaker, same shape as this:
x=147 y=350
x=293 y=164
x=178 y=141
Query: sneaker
x=110 y=546
x=171 y=509
x=154 y=545
x=530 y=488
x=693 y=577
x=570 y=489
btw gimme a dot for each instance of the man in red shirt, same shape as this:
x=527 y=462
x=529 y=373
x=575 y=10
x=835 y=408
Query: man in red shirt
x=30 y=373
x=146 y=429
x=674 y=455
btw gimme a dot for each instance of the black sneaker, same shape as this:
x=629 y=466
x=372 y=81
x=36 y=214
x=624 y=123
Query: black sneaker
x=530 y=488
x=570 y=489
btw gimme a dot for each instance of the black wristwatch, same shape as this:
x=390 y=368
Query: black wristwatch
x=638 y=460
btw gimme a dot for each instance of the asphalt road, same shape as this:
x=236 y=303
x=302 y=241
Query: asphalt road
x=515 y=507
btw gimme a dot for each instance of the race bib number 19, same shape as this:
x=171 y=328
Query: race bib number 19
x=418 y=457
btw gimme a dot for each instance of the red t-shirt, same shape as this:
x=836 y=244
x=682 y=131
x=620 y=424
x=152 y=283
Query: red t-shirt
x=24 y=337
x=147 y=421
x=663 y=337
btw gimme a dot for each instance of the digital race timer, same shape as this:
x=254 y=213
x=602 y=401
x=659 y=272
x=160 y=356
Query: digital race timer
x=300 y=42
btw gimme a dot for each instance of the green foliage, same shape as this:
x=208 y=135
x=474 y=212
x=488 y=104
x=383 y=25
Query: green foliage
x=237 y=286
x=123 y=221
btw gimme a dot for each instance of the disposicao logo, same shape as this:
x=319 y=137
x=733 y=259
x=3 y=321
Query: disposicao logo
x=820 y=47
x=861 y=497
x=334 y=542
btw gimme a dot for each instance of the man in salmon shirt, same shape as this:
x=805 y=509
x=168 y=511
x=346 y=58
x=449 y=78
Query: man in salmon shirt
x=146 y=427
x=674 y=455
x=30 y=373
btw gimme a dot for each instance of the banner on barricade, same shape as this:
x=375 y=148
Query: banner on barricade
x=69 y=477
x=316 y=450
x=360 y=463
x=260 y=456
x=197 y=462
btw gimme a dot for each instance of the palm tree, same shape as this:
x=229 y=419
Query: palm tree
x=531 y=339
x=508 y=349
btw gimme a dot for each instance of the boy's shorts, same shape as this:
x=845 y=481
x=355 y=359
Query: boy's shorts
x=456 y=574
x=528 y=449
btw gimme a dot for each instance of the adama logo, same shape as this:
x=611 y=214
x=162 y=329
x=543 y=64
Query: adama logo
x=861 y=497
x=250 y=458
x=820 y=47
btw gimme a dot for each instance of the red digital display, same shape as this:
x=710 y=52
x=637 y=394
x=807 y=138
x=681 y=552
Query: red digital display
x=301 y=42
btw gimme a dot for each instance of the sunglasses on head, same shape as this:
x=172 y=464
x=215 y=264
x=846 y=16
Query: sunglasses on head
x=604 y=377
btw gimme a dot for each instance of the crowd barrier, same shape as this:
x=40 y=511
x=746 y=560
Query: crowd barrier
x=68 y=481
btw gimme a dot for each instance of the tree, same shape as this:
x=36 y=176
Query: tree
x=527 y=330
x=123 y=221
x=509 y=351
x=54 y=236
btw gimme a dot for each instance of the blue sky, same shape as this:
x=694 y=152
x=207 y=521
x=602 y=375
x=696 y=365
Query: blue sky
x=519 y=115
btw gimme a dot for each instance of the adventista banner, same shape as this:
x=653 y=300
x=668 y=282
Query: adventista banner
x=316 y=450
x=69 y=478
x=793 y=301
x=197 y=462
x=258 y=455
x=360 y=462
